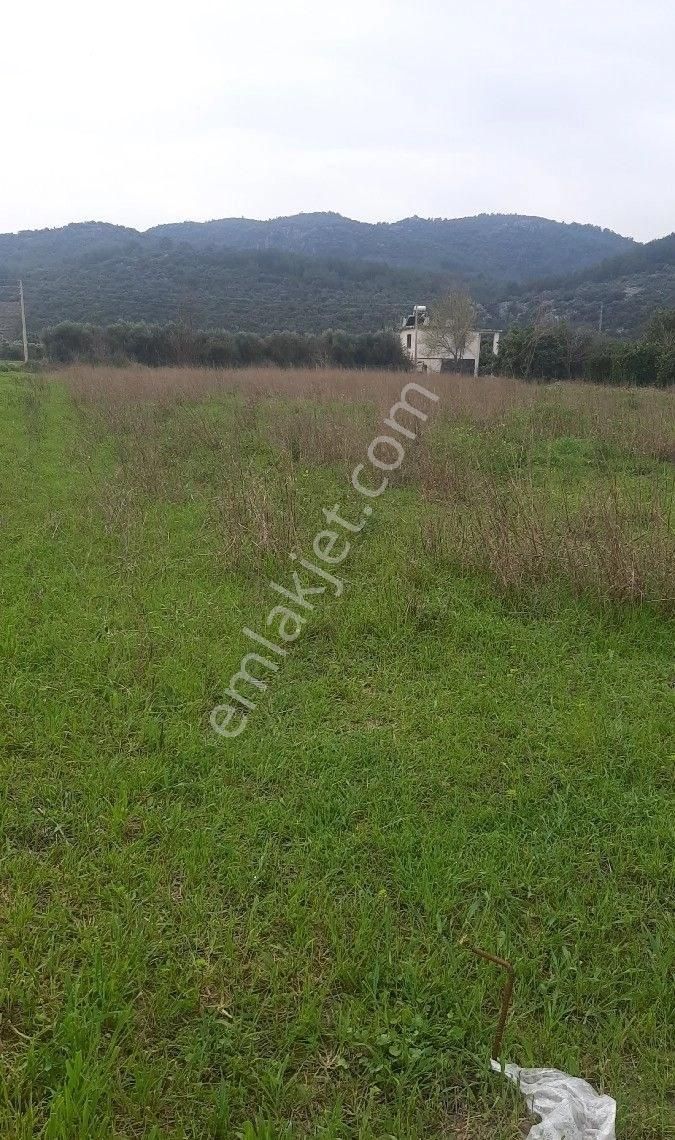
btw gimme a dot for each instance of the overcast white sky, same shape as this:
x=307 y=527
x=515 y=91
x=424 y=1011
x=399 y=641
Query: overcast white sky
x=144 y=112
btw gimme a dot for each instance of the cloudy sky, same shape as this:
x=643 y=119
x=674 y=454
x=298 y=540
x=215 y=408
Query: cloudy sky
x=144 y=112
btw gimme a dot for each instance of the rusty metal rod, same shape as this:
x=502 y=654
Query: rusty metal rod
x=507 y=994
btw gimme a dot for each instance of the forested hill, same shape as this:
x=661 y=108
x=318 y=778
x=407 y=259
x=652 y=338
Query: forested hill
x=308 y=272
x=498 y=247
x=252 y=291
x=628 y=288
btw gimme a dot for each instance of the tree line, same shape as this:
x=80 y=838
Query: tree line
x=537 y=351
x=179 y=344
x=562 y=352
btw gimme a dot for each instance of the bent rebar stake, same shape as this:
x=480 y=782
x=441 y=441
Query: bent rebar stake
x=507 y=994
x=569 y=1108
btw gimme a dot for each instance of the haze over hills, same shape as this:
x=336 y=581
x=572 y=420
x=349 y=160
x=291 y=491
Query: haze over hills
x=320 y=270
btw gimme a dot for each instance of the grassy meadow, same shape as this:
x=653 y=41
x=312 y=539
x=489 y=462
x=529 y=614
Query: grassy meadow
x=266 y=937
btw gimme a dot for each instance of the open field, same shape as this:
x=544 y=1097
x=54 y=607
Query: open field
x=260 y=937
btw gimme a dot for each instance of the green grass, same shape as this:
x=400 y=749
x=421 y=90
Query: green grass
x=261 y=937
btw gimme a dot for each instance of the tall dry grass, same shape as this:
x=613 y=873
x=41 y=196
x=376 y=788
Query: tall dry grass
x=256 y=515
x=613 y=545
x=639 y=421
x=238 y=440
x=137 y=384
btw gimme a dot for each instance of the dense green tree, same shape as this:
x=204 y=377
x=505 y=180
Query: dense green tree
x=69 y=341
x=660 y=329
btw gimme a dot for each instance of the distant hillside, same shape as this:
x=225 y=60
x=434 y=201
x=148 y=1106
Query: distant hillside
x=498 y=247
x=307 y=272
x=253 y=291
x=628 y=288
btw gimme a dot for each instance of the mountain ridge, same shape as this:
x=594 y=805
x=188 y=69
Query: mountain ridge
x=500 y=247
x=312 y=271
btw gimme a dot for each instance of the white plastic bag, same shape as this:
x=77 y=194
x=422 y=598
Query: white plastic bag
x=570 y=1108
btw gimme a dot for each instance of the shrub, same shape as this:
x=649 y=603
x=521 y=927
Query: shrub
x=635 y=363
x=665 y=369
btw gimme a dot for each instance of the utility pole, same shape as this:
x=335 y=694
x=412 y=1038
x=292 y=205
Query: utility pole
x=415 y=349
x=602 y=313
x=23 y=323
